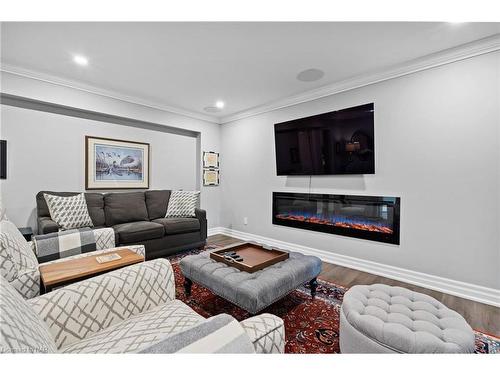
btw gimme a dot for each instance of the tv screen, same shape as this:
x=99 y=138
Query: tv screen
x=338 y=142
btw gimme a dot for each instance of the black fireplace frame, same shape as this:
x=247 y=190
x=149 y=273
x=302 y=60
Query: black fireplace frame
x=392 y=238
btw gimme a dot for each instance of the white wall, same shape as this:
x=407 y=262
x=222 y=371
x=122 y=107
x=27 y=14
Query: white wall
x=44 y=132
x=437 y=147
x=46 y=152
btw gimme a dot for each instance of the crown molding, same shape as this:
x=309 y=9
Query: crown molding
x=47 y=78
x=462 y=52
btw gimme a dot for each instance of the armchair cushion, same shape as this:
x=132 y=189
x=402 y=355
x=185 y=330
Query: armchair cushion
x=78 y=311
x=140 y=331
x=21 y=329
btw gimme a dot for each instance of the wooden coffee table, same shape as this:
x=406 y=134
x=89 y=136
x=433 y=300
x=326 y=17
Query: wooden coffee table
x=69 y=271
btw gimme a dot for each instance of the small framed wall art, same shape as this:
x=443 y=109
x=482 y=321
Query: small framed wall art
x=116 y=164
x=210 y=159
x=210 y=177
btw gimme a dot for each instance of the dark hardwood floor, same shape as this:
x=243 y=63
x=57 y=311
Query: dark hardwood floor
x=481 y=317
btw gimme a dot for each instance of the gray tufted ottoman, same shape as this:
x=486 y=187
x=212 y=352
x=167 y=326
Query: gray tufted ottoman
x=385 y=319
x=251 y=291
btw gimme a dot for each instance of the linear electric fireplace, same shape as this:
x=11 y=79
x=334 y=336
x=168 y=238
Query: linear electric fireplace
x=368 y=217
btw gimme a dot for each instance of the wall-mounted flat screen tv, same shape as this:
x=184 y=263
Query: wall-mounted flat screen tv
x=338 y=142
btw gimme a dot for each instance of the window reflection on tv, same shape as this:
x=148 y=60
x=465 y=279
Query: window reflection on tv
x=338 y=142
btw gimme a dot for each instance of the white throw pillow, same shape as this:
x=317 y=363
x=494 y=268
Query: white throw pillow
x=182 y=203
x=69 y=212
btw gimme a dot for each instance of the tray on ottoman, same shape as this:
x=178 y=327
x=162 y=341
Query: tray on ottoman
x=255 y=256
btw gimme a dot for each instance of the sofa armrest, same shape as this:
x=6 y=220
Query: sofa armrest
x=201 y=215
x=267 y=333
x=79 y=310
x=47 y=225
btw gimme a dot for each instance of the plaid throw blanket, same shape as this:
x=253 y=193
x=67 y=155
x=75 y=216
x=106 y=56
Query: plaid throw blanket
x=64 y=244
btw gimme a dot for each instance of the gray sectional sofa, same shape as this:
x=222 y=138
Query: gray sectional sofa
x=137 y=218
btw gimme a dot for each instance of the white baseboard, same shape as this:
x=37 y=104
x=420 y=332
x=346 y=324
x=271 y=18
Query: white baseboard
x=216 y=230
x=469 y=291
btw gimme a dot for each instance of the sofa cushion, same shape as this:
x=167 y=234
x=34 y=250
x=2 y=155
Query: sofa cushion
x=125 y=208
x=21 y=329
x=95 y=205
x=156 y=202
x=138 y=231
x=176 y=225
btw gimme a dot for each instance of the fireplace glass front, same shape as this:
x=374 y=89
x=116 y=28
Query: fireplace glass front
x=368 y=217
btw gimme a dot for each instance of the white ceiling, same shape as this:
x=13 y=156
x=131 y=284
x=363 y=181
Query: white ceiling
x=191 y=65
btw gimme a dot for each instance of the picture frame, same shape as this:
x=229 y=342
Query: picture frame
x=116 y=164
x=210 y=159
x=210 y=177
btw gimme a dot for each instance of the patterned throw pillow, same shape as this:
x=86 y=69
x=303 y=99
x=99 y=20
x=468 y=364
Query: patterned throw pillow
x=69 y=212
x=182 y=204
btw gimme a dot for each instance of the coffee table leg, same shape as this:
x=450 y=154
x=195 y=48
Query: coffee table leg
x=313 y=284
x=187 y=286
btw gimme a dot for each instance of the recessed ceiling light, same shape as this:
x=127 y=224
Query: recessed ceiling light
x=81 y=60
x=219 y=104
x=310 y=75
x=211 y=109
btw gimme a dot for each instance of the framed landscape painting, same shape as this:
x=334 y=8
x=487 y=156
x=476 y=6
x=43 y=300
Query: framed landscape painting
x=116 y=164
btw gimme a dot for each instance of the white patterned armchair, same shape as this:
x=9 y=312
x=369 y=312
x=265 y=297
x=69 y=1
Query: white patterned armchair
x=124 y=311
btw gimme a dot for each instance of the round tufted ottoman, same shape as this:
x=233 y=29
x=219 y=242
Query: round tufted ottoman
x=385 y=319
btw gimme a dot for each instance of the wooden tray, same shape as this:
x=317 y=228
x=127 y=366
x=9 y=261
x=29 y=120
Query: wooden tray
x=255 y=256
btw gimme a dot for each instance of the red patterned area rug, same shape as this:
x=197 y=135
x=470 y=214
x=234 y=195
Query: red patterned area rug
x=311 y=326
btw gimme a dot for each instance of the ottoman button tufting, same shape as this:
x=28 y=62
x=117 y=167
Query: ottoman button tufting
x=397 y=335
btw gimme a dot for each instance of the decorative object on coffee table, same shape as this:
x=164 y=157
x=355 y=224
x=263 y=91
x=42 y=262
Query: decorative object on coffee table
x=67 y=271
x=251 y=291
x=116 y=164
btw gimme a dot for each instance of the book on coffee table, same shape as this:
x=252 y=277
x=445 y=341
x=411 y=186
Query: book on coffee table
x=108 y=258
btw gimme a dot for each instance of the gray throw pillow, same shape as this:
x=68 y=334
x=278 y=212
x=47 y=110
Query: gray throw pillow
x=182 y=203
x=69 y=212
